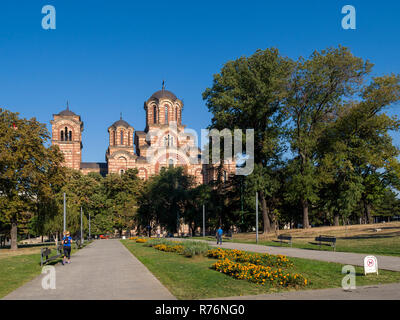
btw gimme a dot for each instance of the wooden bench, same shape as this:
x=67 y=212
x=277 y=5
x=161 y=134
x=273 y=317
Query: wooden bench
x=78 y=244
x=285 y=237
x=46 y=252
x=327 y=239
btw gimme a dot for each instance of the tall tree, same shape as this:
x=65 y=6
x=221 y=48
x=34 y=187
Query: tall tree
x=248 y=94
x=317 y=89
x=25 y=163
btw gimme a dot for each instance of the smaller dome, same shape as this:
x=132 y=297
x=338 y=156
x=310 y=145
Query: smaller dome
x=120 y=123
x=67 y=112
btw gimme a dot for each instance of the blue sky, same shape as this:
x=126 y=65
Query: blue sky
x=108 y=57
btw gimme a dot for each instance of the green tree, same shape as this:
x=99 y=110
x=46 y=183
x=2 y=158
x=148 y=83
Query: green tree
x=249 y=93
x=164 y=199
x=318 y=87
x=25 y=167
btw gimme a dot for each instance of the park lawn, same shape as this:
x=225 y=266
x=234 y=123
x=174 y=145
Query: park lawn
x=389 y=246
x=17 y=270
x=19 y=267
x=192 y=278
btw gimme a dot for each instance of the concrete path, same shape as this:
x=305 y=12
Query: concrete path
x=355 y=259
x=377 y=292
x=105 y=269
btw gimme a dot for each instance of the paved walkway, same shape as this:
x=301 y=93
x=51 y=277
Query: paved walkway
x=355 y=259
x=377 y=292
x=105 y=269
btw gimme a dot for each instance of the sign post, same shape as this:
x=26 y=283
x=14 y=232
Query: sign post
x=370 y=265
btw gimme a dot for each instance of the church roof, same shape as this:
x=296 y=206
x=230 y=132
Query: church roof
x=93 y=165
x=67 y=112
x=164 y=94
x=121 y=123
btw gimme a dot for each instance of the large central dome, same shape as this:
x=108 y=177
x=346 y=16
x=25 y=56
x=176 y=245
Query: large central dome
x=164 y=94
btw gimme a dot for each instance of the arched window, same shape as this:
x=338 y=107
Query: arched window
x=66 y=134
x=122 y=136
x=166 y=114
x=129 y=138
x=176 y=114
x=170 y=163
x=70 y=135
x=168 y=141
x=121 y=172
x=113 y=137
x=62 y=135
x=155 y=114
x=225 y=177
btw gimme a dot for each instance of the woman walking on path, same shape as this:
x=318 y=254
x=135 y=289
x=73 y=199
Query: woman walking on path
x=67 y=240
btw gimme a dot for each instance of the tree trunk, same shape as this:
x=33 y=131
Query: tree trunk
x=265 y=214
x=306 y=224
x=14 y=233
x=336 y=220
x=367 y=212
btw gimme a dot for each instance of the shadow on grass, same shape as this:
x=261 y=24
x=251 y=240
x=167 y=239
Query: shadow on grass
x=31 y=245
x=367 y=236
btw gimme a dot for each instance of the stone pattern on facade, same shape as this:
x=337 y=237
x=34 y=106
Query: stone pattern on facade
x=67 y=130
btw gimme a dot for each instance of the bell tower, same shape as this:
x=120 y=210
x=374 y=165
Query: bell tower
x=66 y=129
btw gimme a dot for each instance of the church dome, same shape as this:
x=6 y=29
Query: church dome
x=164 y=94
x=67 y=112
x=120 y=123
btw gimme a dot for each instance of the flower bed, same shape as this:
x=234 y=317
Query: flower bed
x=169 y=248
x=268 y=260
x=141 y=240
x=259 y=273
x=133 y=238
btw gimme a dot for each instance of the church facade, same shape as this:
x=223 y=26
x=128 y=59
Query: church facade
x=162 y=143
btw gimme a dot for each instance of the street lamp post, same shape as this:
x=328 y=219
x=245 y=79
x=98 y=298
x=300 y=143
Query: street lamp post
x=90 y=236
x=65 y=214
x=204 y=221
x=256 y=217
x=81 y=227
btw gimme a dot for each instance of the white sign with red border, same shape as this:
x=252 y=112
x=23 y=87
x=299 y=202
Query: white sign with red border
x=370 y=265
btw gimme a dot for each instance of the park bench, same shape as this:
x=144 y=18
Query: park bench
x=285 y=237
x=46 y=252
x=327 y=239
x=78 y=244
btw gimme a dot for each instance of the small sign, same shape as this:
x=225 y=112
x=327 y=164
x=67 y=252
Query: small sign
x=370 y=265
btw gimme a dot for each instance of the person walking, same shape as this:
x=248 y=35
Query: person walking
x=219 y=235
x=67 y=241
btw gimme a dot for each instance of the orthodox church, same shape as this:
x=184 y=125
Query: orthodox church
x=163 y=143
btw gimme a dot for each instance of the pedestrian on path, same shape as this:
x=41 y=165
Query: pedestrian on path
x=67 y=240
x=219 y=235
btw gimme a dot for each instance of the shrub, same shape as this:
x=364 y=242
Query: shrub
x=193 y=248
x=153 y=242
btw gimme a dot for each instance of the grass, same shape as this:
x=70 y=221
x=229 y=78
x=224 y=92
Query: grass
x=192 y=278
x=355 y=238
x=17 y=270
x=20 y=266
